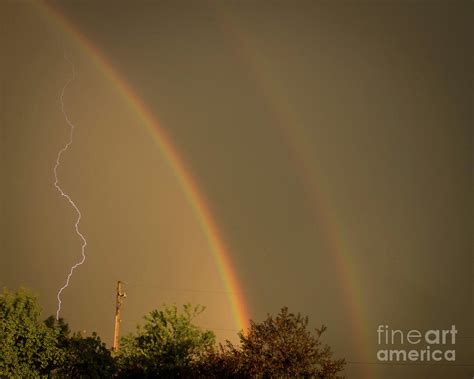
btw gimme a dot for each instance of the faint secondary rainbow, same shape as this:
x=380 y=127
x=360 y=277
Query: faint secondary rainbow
x=183 y=176
x=287 y=120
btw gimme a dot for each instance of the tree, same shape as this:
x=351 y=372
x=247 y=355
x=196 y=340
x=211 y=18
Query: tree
x=278 y=347
x=84 y=357
x=167 y=345
x=61 y=328
x=87 y=357
x=27 y=346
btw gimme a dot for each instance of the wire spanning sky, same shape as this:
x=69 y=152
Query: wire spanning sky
x=326 y=148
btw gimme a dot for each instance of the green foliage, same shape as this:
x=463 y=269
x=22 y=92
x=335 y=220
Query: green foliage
x=61 y=327
x=84 y=357
x=278 y=347
x=27 y=346
x=87 y=357
x=168 y=344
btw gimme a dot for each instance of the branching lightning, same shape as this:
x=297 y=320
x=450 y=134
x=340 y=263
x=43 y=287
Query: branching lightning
x=64 y=194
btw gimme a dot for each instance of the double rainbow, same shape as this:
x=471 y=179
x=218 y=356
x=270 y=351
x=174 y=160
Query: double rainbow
x=352 y=293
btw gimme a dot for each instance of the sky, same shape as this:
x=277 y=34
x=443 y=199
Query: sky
x=329 y=143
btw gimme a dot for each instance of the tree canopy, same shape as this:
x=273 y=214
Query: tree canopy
x=280 y=346
x=27 y=346
x=168 y=344
x=84 y=356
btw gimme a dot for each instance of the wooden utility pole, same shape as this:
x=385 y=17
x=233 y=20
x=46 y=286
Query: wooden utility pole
x=120 y=296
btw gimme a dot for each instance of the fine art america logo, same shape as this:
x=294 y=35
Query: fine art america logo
x=430 y=345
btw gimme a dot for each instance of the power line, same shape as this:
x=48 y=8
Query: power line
x=200 y=326
x=182 y=289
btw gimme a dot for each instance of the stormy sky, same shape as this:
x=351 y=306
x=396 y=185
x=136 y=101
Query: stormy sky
x=332 y=143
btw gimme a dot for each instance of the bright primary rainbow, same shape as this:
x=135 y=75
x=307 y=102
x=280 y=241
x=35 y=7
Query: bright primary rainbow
x=352 y=293
x=183 y=176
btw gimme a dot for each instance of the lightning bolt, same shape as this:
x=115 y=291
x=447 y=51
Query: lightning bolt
x=64 y=194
